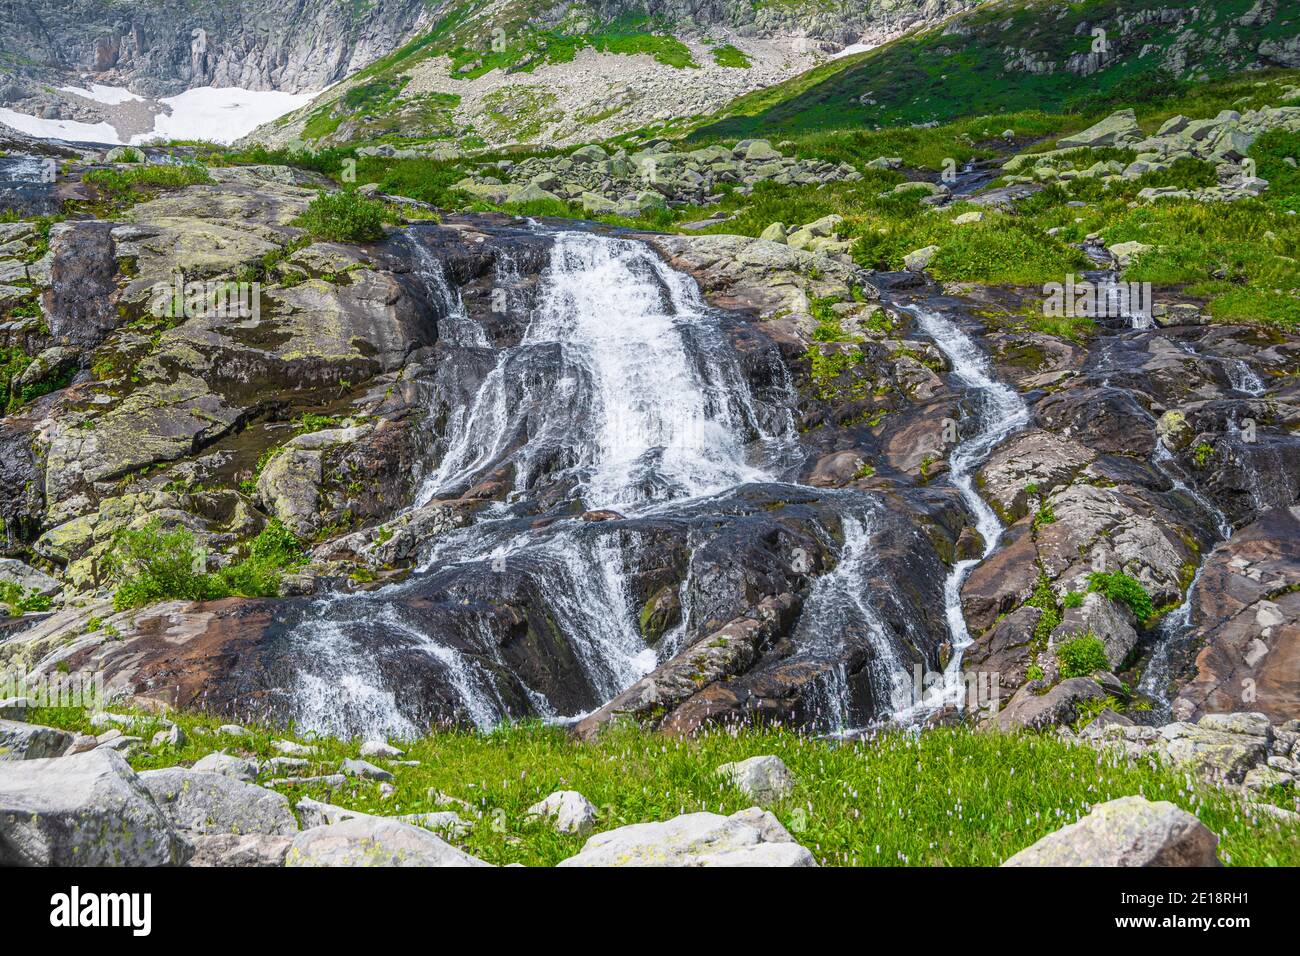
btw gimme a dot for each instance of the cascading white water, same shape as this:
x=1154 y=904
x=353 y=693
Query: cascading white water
x=1174 y=625
x=646 y=404
x=650 y=403
x=456 y=326
x=837 y=610
x=999 y=412
x=1244 y=378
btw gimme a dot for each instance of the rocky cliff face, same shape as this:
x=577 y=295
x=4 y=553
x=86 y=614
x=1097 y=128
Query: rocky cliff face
x=159 y=49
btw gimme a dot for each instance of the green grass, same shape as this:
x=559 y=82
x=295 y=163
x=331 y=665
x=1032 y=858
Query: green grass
x=123 y=187
x=730 y=56
x=930 y=76
x=345 y=216
x=151 y=564
x=948 y=797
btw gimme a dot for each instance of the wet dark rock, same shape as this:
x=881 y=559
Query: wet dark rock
x=80 y=304
x=1035 y=708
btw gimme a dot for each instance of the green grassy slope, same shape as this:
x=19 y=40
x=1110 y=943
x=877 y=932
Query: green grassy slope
x=961 y=68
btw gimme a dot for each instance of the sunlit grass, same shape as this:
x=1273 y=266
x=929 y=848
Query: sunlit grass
x=948 y=797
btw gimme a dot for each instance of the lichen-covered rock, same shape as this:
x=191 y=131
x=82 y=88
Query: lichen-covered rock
x=85 y=810
x=1216 y=755
x=229 y=765
x=1130 y=831
x=374 y=841
x=22 y=741
x=764 y=779
x=200 y=802
x=693 y=839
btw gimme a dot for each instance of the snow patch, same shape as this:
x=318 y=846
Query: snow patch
x=220 y=114
x=59 y=129
x=853 y=48
x=109 y=95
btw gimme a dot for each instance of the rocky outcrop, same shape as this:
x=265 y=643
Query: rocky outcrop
x=1130 y=831
x=1222 y=140
x=634 y=183
x=1239 y=751
x=1246 y=623
x=695 y=839
x=162 y=49
x=85 y=810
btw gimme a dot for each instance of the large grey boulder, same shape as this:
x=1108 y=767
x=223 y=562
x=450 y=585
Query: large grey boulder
x=764 y=779
x=20 y=741
x=374 y=841
x=1114 y=128
x=568 y=810
x=85 y=810
x=1130 y=831
x=228 y=765
x=695 y=839
x=214 y=803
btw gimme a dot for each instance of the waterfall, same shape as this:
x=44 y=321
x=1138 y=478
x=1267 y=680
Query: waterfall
x=999 y=412
x=838 y=611
x=455 y=326
x=1244 y=378
x=649 y=404
x=624 y=391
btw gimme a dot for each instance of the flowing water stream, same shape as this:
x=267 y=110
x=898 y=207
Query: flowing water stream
x=624 y=389
x=997 y=413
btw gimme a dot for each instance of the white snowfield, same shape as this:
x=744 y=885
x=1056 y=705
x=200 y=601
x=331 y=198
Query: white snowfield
x=111 y=95
x=59 y=129
x=221 y=115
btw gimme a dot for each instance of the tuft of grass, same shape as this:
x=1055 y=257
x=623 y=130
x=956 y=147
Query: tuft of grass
x=1081 y=655
x=123 y=187
x=151 y=564
x=344 y=216
x=1123 y=589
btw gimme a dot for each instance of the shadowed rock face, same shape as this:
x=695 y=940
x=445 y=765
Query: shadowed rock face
x=162 y=49
x=81 y=303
